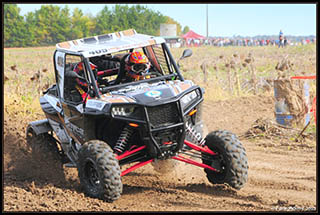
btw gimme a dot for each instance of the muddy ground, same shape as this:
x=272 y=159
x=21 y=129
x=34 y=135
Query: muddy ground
x=282 y=175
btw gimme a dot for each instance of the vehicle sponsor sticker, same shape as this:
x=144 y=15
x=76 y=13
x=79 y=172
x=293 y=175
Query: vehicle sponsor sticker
x=95 y=104
x=153 y=93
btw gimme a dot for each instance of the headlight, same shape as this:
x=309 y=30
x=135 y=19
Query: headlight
x=122 y=110
x=187 y=99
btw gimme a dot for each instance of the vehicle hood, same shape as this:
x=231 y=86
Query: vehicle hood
x=144 y=93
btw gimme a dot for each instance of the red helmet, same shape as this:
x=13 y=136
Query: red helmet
x=138 y=57
x=138 y=63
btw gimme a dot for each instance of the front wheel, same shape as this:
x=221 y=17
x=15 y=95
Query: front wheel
x=231 y=160
x=99 y=171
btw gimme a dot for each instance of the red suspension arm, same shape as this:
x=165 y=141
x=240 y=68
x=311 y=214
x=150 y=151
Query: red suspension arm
x=187 y=160
x=127 y=153
x=199 y=148
x=136 y=166
x=178 y=157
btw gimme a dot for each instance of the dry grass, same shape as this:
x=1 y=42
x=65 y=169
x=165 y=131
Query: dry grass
x=244 y=63
x=27 y=71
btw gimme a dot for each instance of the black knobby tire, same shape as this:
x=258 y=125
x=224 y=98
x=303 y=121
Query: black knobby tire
x=43 y=146
x=99 y=171
x=231 y=159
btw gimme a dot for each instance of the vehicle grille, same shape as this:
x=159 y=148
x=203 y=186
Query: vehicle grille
x=163 y=115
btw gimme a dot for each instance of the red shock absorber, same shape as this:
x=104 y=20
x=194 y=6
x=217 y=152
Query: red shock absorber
x=123 y=140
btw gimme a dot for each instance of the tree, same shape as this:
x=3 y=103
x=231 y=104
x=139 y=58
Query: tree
x=186 y=29
x=51 y=24
x=81 y=25
x=31 y=28
x=15 y=33
x=102 y=21
x=120 y=19
x=123 y=17
x=64 y=22
x=169 y=20
x=153 y=21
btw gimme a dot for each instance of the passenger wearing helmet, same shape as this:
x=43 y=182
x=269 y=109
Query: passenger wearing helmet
x=82 y=85
x=137 y=66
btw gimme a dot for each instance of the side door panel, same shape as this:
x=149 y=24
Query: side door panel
x=73 y=120
x=72 y=111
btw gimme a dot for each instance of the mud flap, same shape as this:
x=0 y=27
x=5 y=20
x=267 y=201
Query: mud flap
x=40 y=126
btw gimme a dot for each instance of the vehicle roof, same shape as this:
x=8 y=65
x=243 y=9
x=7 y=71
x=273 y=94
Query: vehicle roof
x=108 y=43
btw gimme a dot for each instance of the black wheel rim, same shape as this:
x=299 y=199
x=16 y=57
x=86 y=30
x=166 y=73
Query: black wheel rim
x=92 y=176
x=218 y=162
x=221 y=162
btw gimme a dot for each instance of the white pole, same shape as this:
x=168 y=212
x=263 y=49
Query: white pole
x=207 y=23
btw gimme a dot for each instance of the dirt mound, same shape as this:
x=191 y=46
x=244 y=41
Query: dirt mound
x=269 y=129
x=276 y=135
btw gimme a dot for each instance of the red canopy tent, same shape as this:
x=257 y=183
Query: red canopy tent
x=191 y=36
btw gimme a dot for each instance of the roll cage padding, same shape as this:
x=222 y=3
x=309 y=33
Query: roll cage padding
x=108 y=72
x=122 y=70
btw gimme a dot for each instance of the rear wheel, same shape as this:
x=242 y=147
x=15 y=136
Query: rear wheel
x=99 y=171
x=231 y=159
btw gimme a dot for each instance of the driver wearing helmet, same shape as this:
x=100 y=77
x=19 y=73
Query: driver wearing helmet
x=137 y=66
x=82 y=85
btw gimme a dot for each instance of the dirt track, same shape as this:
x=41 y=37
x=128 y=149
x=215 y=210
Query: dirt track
x=281 y=176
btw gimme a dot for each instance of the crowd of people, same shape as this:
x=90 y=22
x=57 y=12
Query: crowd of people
x=251 y=42
x=281 y=41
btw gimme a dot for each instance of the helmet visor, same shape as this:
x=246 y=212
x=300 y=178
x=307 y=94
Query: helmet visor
x=140 y=67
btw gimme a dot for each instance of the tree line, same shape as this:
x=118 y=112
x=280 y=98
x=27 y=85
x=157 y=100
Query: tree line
x=52 y=24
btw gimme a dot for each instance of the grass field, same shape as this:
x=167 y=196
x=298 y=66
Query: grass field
x=226 y=66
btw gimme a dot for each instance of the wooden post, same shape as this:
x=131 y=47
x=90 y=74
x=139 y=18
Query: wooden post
x=204 y=67
x=253 y=79
x=305 y=127
x=230 y=80
x=238 y=82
